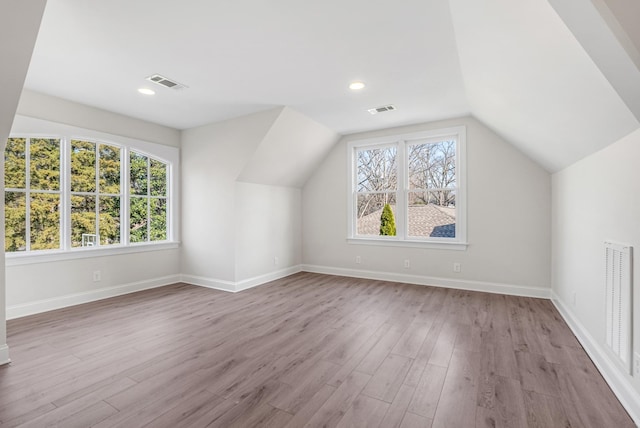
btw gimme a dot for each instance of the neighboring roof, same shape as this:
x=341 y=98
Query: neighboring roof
x=426 y=220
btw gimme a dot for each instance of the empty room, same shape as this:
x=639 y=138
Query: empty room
x=354 y=213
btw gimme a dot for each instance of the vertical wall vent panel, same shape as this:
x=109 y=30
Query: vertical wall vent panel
x=618 y=269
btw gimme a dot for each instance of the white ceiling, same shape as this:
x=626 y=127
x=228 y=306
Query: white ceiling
x=243 y=56
x=514 y=65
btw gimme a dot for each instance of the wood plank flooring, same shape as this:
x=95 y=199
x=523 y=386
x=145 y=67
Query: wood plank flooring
x=308 y=350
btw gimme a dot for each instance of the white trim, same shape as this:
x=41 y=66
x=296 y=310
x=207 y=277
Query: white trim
x=237 y=286
x=440 y=245
x=262 y=279
x=47 y=256
x=4 y=355
x=460 y=284
x=31 y=308
x=618 y=381
x=201 y=281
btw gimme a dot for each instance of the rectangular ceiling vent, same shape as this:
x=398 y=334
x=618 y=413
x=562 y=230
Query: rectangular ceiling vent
x=382 y=109
x=165 y=81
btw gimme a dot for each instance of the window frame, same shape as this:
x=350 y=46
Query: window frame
x=66 y=133
x=97 y=194
x=28 y=191
x=402 y=141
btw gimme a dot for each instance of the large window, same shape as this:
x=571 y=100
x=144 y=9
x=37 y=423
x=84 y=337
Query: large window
x=409 y=189
x=62 y=194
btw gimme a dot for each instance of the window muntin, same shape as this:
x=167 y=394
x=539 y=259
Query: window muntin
x=44 y=213
x=420 y=177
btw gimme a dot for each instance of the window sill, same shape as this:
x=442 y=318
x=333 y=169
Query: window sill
x=17 y=259
x=438 y=245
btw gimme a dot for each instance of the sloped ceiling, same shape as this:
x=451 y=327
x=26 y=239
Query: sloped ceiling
x=289 y=152
x=523 y=67
x=528 y=78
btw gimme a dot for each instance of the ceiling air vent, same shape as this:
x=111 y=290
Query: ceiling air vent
x=381 y=109
x=165 y=81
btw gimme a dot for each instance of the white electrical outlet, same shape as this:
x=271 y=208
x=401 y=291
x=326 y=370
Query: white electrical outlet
x=457 y=267
x=275 y=260
x=574 y=298
x=407 y=264
x=636 y=365
x=358 y=260
x=97 y=276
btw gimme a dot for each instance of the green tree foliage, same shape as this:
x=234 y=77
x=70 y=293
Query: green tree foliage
x=45 y=221
x=95 y=211
x=44 y=199
x=95 y=194
x=15 y=205
x=387 y=222
x=15 y=211
x=148 y=208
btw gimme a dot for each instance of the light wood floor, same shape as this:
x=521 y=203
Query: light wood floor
x=307 y=350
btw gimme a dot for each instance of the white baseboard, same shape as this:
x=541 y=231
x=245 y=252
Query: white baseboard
x=620 y=383
x=461 y=284
x=216 y=284
x=39 y=306
x=245 y=284
x=262 y=279
x=4 y=355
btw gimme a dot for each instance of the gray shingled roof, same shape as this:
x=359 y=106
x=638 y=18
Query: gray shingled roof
x=425 y=221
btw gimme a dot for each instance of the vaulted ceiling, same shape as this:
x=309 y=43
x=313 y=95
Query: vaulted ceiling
x=555 y=79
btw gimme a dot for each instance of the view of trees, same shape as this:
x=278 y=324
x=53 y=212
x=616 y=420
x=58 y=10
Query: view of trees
x=33 y=203
x=148 y=200
x=88 y=162
x=43 y=178
x=377 y=179
x=431 y=174
x=432 y=170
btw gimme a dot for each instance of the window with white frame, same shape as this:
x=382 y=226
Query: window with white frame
x=95 y=194
x=409 y=189
x=32 y=194
x=64 y=193
x=148 y=200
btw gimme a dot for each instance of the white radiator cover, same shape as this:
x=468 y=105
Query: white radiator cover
x=619 y=301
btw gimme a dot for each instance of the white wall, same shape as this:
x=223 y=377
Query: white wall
x=597 y=199
x=18 y=34
x=268 y=226
x=509 y=202
x=40 y=286
x=225 y=242
x=42 y=106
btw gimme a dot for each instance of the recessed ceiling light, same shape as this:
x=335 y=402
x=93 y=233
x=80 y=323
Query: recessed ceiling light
x=146 y=91
x=356 y=86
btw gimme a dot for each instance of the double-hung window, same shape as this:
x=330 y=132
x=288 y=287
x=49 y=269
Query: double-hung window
x=409 y=189
x=95 y=194
x=68 y=193
x=32 y=194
